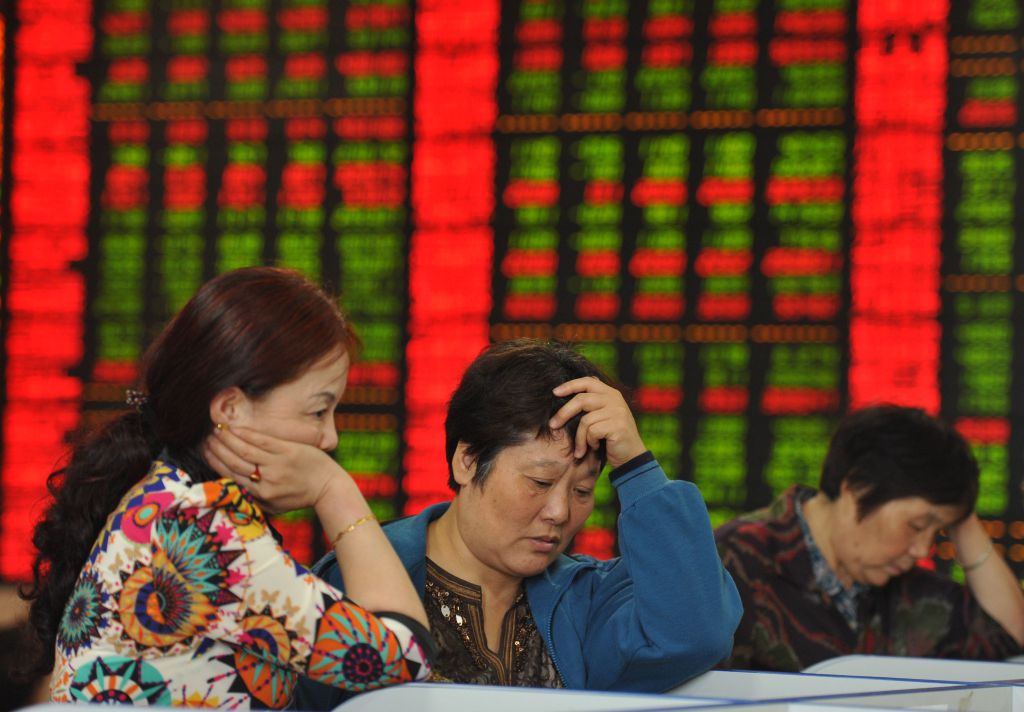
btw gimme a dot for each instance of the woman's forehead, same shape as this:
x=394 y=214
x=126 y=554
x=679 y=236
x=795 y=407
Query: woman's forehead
x=918 y=507
x=554 y=450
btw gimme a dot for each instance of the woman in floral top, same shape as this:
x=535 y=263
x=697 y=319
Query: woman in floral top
x=160 y=582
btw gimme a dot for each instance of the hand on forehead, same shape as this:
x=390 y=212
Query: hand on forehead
x=606 y=419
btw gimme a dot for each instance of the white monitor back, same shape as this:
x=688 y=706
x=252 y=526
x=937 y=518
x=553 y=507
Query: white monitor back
x=919 y=668
x=426 y=697
x=748 y=685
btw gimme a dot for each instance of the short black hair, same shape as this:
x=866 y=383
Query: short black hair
x=888 y=452
x=505 y=398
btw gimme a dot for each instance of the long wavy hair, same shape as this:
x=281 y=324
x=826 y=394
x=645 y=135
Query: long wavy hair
x=255 y=328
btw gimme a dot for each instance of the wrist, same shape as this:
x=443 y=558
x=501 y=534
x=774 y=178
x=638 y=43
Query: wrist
x=973 y=545
x=340 y=497
x=365 y=519
x=623 y=453
x=630 y=465
x=978 y=562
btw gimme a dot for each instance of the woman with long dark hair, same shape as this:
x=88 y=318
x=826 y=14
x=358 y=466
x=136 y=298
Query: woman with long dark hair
x=158 y=581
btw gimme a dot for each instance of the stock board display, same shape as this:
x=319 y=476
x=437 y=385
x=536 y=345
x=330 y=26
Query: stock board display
x=755 y=214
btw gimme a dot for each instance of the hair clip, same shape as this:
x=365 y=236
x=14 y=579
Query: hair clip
x=136 y=399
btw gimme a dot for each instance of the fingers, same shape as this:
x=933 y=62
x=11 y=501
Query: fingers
x=566 y=413
x=236 y=455
x=236 y=436
x=579 y=385
x=282 y=474
x=594 y=428
x=598 y=402
x=606 y=417
x=215 y=462
x=245 y=481
x=591 y=395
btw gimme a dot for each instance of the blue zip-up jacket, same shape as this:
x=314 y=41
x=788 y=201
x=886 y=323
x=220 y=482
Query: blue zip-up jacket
x=647 y=621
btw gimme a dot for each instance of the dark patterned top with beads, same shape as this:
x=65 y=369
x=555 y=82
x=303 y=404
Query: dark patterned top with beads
x=455 y=611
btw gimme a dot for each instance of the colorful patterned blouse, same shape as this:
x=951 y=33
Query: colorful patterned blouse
x=790 y=623
x=188 y=599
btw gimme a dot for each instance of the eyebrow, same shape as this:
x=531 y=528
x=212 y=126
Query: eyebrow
x=547 y=463
x=933 y=518
x=543 y=463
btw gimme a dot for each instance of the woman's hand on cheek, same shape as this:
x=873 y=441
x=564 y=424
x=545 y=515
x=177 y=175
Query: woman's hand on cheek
x=282 y=474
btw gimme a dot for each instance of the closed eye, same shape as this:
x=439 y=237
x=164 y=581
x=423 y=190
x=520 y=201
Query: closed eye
x=543 y=484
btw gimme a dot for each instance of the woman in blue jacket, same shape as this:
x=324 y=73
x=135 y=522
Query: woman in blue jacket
x=528 y=430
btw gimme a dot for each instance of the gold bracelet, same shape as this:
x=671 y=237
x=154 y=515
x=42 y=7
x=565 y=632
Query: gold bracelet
x=362 y=520
x=979 y=562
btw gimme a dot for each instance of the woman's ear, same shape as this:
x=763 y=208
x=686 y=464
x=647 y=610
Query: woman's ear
x=849 y=499
x=844 y=488
x=463 y=465
x=231 y=406
x=848 y=490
